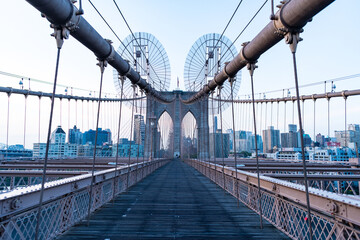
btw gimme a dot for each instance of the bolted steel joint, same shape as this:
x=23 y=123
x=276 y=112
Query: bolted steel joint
x=251 y=66
x=60 y=33
x=102 y=64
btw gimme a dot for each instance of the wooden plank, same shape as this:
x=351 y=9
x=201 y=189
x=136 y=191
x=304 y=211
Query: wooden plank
x=174 y=202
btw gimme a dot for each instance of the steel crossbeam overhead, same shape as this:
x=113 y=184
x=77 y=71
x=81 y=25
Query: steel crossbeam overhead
x=292 y=16
x=62 y=15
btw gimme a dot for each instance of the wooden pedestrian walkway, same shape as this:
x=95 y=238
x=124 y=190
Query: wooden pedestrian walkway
x=175 y=202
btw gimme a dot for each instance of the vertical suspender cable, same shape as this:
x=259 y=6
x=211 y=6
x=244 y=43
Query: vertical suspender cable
x=7 y=125
x=265 y=117
x=69 y=113
x=251 y=67
x=61 y=112
x=293 y=40
x=328 y=117
x=314 y=124
x=222 y=139
x=39 y=126
x=139 y=139
x=102 y=65
x=233 y=124
x=285 y=116
x=271 y=112
x=26 y=96
x=214 y=132
x=303 y=112
x=76 y=113
x=131 y=130
x=59 y=38
x=277 y=116
x=118 y=133
x=345 y=98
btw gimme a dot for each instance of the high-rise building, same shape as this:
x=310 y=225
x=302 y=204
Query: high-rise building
x=139 y=129
x=215 y=124
x=243 y=141
x=271 y=140
x=320 y=139
x=104 y=136
x=75 y=136
x=231 y=139
x=57 y=147
x=349 y=138
x=290 y=139
x=219 y=148
x=58 y=136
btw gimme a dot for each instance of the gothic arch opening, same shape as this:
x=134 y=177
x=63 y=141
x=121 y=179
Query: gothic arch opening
x=165 y=136
x=189 y=136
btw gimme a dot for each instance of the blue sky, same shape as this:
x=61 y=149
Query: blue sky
x=330 y=48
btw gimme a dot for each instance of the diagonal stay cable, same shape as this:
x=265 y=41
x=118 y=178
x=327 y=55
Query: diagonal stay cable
x=112 y=30
x=242 y=31
x=128 y=26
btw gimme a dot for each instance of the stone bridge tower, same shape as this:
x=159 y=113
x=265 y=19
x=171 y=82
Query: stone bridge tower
x=177 y=111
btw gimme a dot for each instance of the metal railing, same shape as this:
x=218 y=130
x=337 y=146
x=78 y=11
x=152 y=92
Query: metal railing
x=66 y=201
x=334 y=216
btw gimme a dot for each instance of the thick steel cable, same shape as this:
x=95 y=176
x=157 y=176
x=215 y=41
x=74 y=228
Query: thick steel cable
x=131 y=131
x=222 y=140
x=302 y=143
x=118 y=136
x=233 y=125
x=251 y=68
x=38 y=215
x=102 y=65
